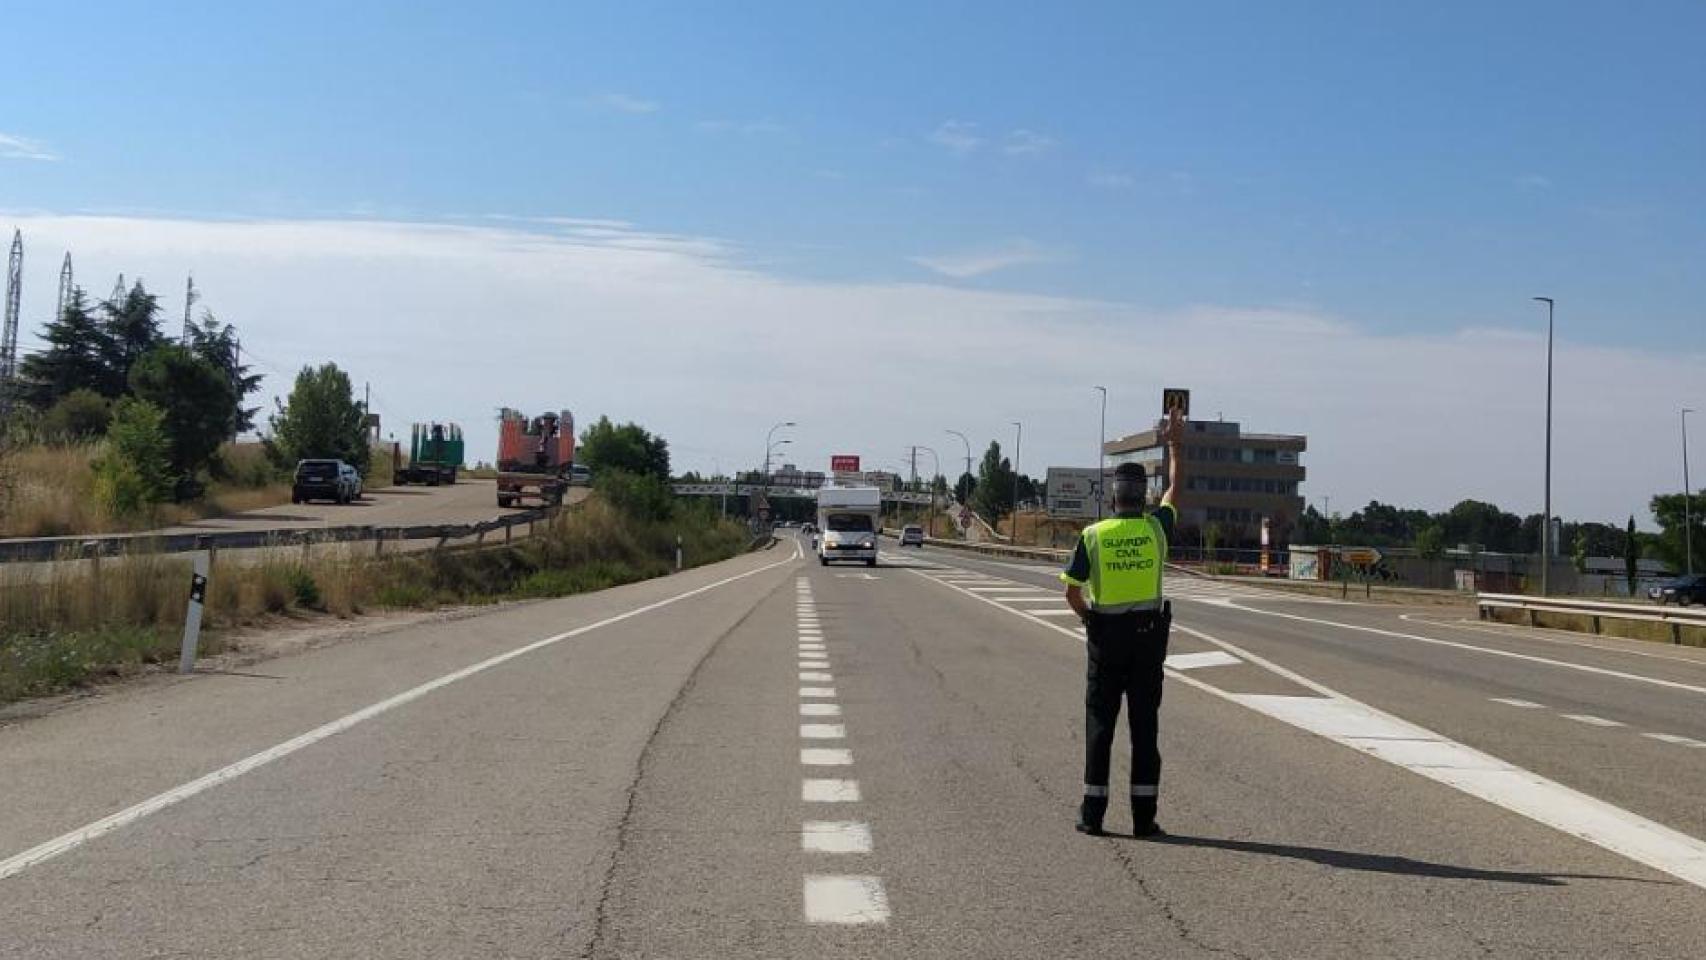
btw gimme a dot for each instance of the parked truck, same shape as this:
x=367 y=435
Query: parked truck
x=536 y=456
x=435 y=454
x=848 y=519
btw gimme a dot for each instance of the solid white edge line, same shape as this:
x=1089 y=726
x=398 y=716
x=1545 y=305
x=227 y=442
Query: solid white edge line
x=17 y=863
x=1500 y=783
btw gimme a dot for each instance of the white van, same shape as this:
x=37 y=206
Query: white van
x=849 y=519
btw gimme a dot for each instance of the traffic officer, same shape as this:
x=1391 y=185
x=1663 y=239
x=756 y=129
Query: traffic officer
x=1113 y=583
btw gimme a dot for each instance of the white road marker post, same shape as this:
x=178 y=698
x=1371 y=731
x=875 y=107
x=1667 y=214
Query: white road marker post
x=192 y=617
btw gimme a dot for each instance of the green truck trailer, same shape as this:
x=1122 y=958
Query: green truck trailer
x=435 y=454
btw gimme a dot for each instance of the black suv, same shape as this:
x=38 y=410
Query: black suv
x=1682 y=590
x=324 y=480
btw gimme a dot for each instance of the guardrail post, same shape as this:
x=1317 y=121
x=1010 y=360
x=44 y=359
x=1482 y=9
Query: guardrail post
x=378 y=543
x=509 y=533
x=307 y=545
x=1675 y=631
x=482 y=537
x=1595 y=619
x=192 y=616
x=92 y=550
x=1530 y=612
x=678 y=553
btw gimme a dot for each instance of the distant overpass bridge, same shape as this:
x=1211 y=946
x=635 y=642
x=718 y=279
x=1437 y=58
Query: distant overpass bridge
x=775 y=491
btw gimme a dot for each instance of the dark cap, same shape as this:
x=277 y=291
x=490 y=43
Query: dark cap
x=1130 y=473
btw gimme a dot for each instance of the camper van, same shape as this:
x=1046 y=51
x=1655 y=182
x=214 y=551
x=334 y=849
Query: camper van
x=848 y=520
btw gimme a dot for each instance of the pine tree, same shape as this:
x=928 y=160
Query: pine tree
x=132 y=327
x=217 y=343
x=75 y=357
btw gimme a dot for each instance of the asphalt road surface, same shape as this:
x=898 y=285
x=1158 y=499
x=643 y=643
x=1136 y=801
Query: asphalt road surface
x=466 y=501
x=766 y=758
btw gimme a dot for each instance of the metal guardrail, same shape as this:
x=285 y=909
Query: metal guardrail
x=1596 y=610
x=47 y=549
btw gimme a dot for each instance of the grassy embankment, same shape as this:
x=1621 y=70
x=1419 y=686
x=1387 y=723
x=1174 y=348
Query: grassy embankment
x=79 y=624
x=49 y=491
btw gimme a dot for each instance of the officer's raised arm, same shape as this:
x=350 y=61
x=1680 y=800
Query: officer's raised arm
x=1173 y=434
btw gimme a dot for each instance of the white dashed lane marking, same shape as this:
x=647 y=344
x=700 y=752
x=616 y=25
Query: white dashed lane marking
x=821 y=692
x=1519 y=704
x=1196 y=661
x=816 y=790
x=816 y=676
x=835 y=836
x=1590 y=720
x=846 y=899
x=1676 y=739
x=823 y=731
x=820 y=709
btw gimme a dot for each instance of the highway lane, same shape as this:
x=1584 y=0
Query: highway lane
x=803 y=761
x=466 y=501
x=1621 y=720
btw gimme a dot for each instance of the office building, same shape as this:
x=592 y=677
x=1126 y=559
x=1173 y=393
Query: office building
x=1233 y=479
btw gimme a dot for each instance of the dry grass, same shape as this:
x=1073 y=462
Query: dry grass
x=52 y=492
x=1648 y=630
x=65 y=623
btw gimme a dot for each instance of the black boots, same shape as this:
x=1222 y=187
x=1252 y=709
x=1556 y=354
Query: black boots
x=1143 y=817
x=1090 y=814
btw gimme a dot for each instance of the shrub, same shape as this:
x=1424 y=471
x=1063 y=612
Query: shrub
x=303 y=588
x=640 y=497
x=79 y=415
x=133 y=473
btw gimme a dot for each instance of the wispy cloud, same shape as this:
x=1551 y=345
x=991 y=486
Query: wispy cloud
x=964 y=264
x=1022 y=142
x=957 y=135
x=624 y=103
x=1109 y=180
x=1534 y=181
x=14 y=147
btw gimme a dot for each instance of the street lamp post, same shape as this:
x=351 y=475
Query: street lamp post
x=968 y=455
x=764 y=478
x=1687 y=498
x=938 y=472
x=1546 y=520
x=1018 y=439
x=1102 y=453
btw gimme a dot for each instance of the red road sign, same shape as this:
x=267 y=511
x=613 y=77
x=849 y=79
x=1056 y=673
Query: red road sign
x=844 y=463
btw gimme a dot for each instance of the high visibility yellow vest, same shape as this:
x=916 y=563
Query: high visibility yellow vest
x=1126 y=557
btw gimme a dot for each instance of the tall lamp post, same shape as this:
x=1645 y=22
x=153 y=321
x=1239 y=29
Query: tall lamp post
x=764 y=480
x=768 y=447
x=938 y=463
x=1018 y=438
x=1687 y=497
x=968 y=454
x=1546 y=520
x=1102 y=453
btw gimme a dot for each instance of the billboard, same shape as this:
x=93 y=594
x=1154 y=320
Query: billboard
x=844 y=463
x=1072 y=492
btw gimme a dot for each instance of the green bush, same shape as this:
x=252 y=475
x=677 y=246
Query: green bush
x=638 y=496
x=133 y=473
x=79 y=415
x=304 y=590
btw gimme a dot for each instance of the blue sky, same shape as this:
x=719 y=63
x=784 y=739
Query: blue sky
x=1410 y=169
